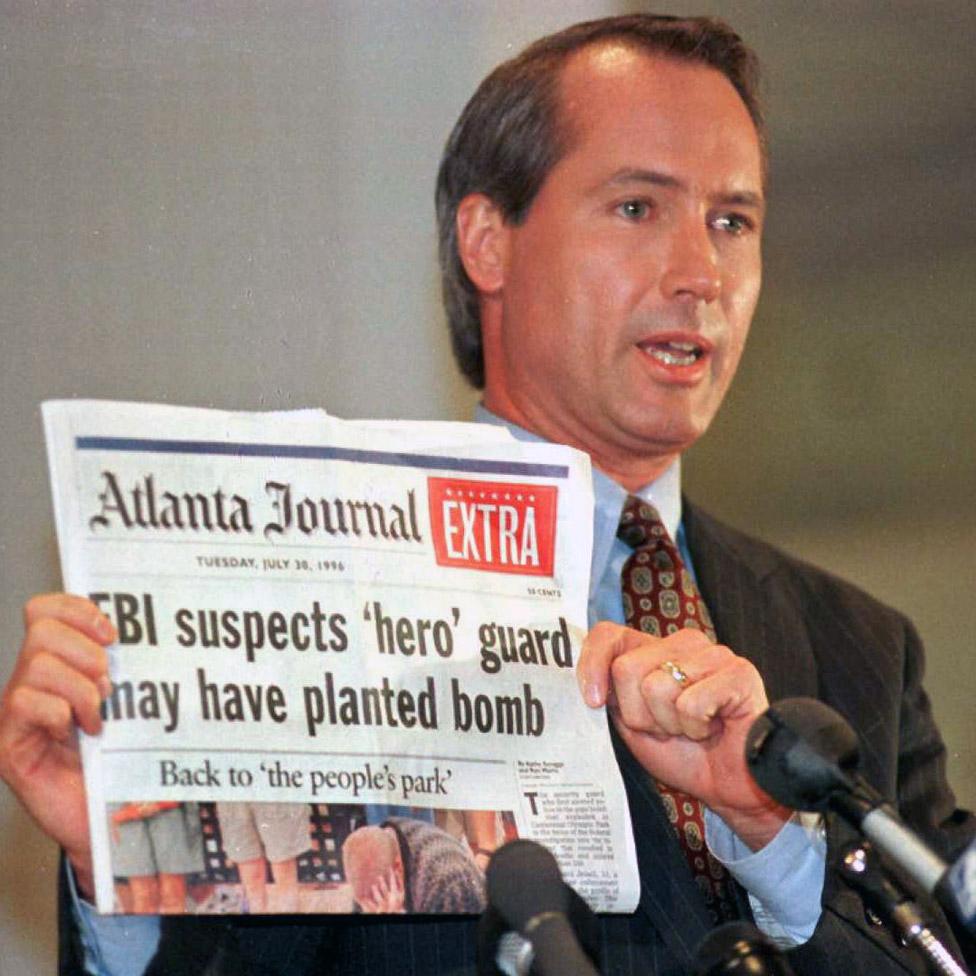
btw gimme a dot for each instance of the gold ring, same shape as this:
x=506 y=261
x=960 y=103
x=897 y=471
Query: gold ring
x=680 y=676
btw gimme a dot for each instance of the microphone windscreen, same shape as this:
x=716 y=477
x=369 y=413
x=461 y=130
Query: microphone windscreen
x=800 y=751
x=738 y=948
x=524 y=880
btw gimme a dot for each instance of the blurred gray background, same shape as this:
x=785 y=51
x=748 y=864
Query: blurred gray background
x=229 y=204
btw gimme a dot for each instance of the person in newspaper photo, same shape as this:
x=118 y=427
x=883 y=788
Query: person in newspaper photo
x=407 y=865
x=153 y=846
x=482 y=830
x=259 y=835
x=600 y=205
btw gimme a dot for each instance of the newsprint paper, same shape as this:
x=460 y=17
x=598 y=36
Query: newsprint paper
x=339 y=642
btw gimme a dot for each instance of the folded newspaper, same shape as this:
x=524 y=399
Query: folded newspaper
x=345 y=662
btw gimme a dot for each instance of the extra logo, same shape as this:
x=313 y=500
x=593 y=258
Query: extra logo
x=495 y=526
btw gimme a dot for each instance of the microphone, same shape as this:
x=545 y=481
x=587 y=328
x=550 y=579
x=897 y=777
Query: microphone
x=805 y=756
x=957 y=888
x=534 y=919
x=739 y=949
x=860 y=867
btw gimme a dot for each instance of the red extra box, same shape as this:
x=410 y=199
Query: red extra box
x=499 y=527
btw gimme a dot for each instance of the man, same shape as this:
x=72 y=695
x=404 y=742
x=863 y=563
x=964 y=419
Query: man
x=409 y=865
x=601 y=206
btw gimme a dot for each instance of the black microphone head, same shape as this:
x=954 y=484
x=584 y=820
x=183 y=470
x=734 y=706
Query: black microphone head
x=524 y=880
x=800 y=751
x=738 y=949
x=496 y=953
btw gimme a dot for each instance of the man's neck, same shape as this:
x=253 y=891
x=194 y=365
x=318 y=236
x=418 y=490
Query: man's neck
x=633 y=470
x=633 y=478
x=636 y=476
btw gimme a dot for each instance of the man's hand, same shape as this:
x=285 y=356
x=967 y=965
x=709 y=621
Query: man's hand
x=387 y=896
x=58 y=682
x=690 y=735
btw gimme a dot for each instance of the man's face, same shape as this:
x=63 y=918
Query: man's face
x=627 y=292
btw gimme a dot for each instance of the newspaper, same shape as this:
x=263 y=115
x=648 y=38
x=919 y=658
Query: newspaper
x=327 y=625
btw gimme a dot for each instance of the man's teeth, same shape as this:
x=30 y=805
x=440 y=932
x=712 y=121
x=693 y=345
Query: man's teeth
x=676 y=353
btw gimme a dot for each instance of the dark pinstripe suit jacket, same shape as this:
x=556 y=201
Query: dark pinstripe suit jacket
x=808 y=634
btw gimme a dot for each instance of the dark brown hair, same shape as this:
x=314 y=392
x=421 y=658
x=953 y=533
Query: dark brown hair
x=509 y=137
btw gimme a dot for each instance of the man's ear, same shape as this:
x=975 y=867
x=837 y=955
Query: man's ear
x=483 y=242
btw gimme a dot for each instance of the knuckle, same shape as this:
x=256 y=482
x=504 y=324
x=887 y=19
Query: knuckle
x=36 y=607
x=647 y=683
x=36 y=670
x=695 y=708
x=101 y=660
x=745 y=668
x=603 y=632
x=656 y=679
x=60 y=712
x=59 y=722
x=624 y=669
x=42 y=632
x=16 y=704
x=12 y=704
x=690 y=637
x=718 y=657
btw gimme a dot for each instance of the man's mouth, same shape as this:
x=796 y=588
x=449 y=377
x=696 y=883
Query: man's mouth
x=672 y=353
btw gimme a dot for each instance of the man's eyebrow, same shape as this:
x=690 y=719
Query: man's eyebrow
x=743 y=198
x=654 y=177
x=740 y=198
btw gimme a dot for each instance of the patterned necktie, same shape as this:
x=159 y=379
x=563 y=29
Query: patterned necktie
x=660 y=598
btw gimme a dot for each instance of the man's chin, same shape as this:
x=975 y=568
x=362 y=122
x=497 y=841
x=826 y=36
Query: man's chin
x=660 y=433
x=673 y=426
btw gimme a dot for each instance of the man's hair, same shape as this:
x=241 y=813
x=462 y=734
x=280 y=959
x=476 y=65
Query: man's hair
x=510 y=135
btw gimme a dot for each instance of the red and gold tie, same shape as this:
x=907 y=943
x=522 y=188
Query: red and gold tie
x=660 y=598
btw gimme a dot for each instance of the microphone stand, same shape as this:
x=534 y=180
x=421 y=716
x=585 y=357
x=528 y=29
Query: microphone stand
x=860 y=867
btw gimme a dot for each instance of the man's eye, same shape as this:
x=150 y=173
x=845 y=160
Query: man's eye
x=735 y=224
x=634 y=209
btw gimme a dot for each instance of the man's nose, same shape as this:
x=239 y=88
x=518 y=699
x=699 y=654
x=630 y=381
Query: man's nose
x=692 y=272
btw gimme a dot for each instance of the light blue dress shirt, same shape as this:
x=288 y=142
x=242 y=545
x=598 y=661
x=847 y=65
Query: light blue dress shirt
x=784 y=880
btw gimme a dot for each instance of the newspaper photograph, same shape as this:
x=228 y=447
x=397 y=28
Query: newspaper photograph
x=345 y=665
